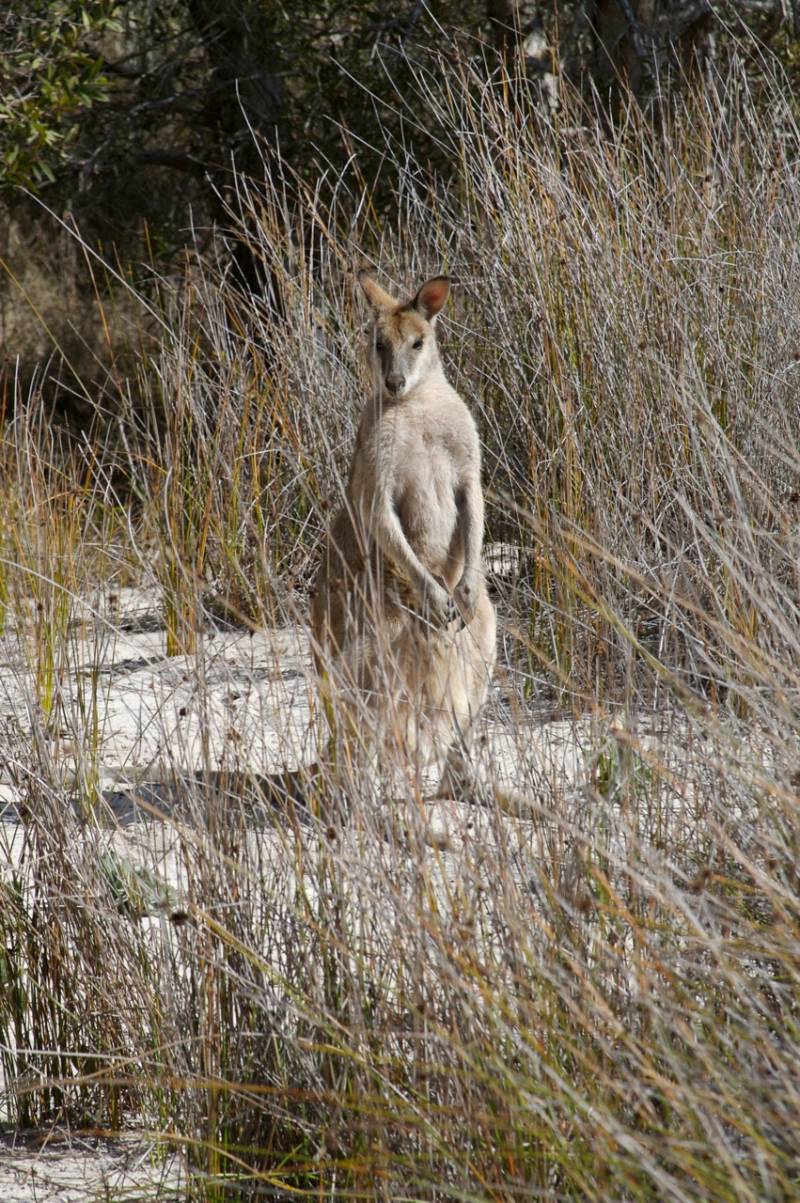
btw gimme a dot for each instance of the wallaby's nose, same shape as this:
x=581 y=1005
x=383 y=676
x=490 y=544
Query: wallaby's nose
x=395 y=382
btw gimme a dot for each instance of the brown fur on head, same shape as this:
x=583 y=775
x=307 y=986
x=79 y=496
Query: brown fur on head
x=402 y=338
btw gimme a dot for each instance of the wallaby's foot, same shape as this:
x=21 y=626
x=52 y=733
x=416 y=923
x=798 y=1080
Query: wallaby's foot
x=459 y=780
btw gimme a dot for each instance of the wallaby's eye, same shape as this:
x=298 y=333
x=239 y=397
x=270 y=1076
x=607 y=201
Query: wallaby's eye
x=378 y=344
x=418 y=344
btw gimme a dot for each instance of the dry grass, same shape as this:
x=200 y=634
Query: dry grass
x=598 y=998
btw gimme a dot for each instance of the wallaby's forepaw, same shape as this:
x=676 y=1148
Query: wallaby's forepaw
x=438 y=607
x=466 y=597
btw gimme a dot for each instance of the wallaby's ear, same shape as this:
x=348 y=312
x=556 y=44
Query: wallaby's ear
x=377 y=296
x=432 y=296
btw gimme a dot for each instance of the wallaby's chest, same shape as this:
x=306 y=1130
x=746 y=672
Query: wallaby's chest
x=416 y=447
x=418 y=460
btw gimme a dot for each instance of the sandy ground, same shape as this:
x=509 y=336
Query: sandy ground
x=56 y=1167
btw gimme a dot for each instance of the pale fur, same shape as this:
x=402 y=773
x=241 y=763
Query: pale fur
x=401 y=619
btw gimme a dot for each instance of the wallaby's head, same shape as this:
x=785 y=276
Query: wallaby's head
x=402 y=337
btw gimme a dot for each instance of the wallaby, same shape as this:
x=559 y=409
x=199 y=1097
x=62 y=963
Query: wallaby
x=400 y=616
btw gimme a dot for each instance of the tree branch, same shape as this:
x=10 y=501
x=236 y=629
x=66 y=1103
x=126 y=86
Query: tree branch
x=155 y=156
